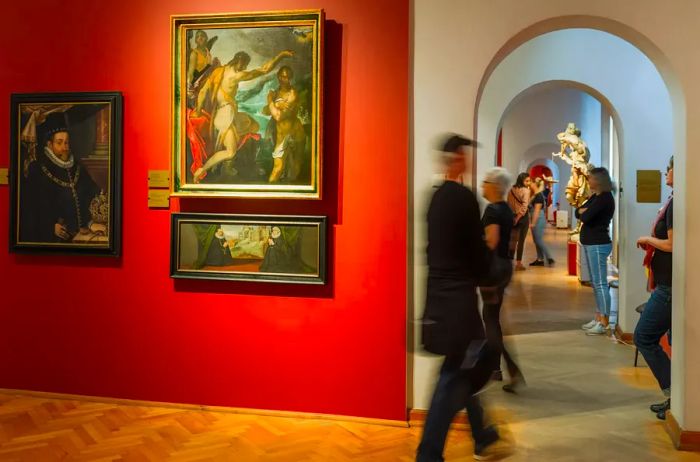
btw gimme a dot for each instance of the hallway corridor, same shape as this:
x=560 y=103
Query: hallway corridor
x=546 y=299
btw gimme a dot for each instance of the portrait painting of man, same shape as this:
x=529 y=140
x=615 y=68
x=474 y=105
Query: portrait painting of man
x=65 y=174
x=246 y=104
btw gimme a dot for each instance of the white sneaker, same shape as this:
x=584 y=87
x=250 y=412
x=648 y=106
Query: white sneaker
x=590 y=324
x=598 y=329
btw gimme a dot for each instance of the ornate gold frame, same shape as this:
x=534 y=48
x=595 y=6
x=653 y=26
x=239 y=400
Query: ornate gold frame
x=180 y=24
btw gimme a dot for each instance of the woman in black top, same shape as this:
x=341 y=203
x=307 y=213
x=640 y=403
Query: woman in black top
x=656 y=317
x=498 y=226
x=595 y=214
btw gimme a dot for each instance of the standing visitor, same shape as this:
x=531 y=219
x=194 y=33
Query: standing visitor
x=538 y=223
x=656 y=317
x=519 y=202
x=595 y=214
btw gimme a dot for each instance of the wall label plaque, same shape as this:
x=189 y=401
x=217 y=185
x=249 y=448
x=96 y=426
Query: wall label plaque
x=159 y=198
x=649 y=186
x=4 y=176
x=158 y=179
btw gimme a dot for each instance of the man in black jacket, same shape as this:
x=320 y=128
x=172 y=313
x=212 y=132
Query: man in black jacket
x=457 y=255
x=57 y=191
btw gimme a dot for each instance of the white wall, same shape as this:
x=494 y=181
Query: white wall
x=456 y=43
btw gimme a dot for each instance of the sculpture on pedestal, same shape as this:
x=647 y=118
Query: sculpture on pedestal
x=575 y=153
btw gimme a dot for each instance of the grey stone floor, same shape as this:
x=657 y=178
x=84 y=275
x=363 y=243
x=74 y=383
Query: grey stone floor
x=584 y=400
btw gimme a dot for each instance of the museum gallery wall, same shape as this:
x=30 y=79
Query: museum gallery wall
x=122 y=328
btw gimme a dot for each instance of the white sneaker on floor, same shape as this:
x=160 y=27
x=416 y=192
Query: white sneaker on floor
x=590 y=324
x=598 y=329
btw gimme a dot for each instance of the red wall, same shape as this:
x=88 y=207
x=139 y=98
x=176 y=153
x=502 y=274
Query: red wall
x=122 y=328
x=539 y=171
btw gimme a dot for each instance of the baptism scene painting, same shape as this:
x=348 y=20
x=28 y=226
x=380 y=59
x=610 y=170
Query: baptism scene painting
x=65 y=173
x=245 y=247
x=246 y=104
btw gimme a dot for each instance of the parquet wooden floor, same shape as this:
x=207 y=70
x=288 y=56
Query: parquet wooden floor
x=39 y=429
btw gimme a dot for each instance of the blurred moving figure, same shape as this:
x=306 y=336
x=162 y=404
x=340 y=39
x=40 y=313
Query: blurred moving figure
x=452 y=327
x=498 y=226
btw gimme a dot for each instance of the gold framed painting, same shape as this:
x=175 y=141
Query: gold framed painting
x=246 y=104
x=65 y=173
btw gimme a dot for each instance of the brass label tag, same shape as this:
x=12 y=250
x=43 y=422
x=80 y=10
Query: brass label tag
x=159 y=198
x=158 y=179
x=649 y=186
x=4 y=176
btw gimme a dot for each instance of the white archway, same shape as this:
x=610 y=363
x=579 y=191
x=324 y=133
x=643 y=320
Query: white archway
x=529 y=124
x=647 y=122
x=555 y=103
x=644 y=106
x=457 y=45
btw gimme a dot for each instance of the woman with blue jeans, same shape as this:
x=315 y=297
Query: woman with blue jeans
x=655 y=321
x=595 y=214
x=537 y=224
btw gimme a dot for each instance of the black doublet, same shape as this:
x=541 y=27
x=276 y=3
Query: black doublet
x=52 y=194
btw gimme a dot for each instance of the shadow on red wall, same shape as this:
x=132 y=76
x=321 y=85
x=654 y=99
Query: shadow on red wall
x=329 y=205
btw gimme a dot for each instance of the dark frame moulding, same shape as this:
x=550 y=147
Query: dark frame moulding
x=112 y=248
x=177 y=219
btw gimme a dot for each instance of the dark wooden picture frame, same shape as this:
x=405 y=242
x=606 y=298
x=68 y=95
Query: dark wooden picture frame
x=266 y=248
x=66 y=173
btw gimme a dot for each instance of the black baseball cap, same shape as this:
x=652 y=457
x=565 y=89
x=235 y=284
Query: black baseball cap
x=453 y=142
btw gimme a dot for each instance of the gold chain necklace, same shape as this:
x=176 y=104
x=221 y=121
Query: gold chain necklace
x=71 y=183
x=65 y=184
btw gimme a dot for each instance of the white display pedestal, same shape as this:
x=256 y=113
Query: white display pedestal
x=583 y=272
x=550 y=214
x=562 y=219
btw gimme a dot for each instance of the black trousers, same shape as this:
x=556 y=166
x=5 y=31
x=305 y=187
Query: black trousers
x=520 y=232
x=451 y=318
x=493 y=300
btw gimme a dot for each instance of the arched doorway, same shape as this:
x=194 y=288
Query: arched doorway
x=644 y=139
x=502 y=85
x=456 y=48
